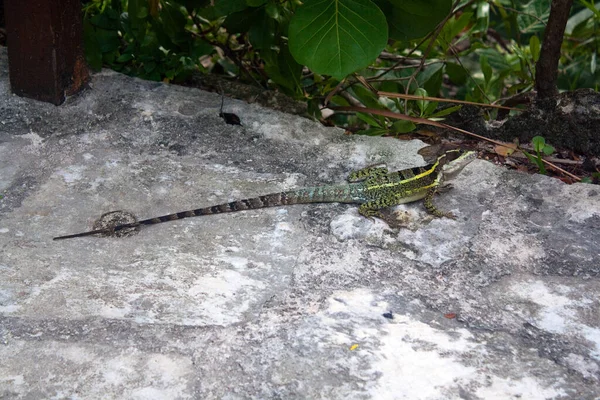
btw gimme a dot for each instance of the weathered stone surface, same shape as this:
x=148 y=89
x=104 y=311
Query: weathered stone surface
x=306 y=301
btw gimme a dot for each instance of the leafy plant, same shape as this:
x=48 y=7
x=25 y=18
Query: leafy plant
x=541 y=148
x=594 y=178
x=345 y=52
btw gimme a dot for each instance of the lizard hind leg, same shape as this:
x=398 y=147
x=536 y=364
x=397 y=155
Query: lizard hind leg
x=370 y=210
x=368 y=172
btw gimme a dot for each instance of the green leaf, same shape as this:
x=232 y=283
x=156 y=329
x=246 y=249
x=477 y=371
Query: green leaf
x=578 y=19
x=200 y=48
x=412 y=19
x=221 y=8
x=430 y=109
x=338 y=100
x=369 y=120
x=498 y=61
x=241 y=21
x=273 y=11
x=124 y=57
x=173 y=20
x=142 y=13
x=532 y=16
x=107 y=20
x=262 y=32
x=431 y=79
x=285 y=71
x=547 y=149
x=422 y=104
x=337 y=37
x=108 y=40
x=137 y=26
x=537 y=161
x=456 y=73
x=368 y=98
x=486 y=69
x=445 y=111
x=93 y=53
x=402 y=126
x=453 y=28
x=534 y=47
x=150 y=66
x=226 y=7
x=538 y=143
x=483 y=17
x=373 y=132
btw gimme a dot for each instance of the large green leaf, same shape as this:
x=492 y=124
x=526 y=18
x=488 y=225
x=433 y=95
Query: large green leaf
x=337 y=37
x=412 y=19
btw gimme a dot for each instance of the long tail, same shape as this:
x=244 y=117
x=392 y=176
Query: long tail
x=320 y=194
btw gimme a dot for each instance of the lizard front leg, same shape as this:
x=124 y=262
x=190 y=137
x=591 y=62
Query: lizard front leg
x=431 y=208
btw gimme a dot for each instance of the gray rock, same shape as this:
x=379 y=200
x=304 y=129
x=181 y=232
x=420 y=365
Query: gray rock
x=306 y=301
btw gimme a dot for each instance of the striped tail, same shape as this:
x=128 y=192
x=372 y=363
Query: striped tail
x=351 y=193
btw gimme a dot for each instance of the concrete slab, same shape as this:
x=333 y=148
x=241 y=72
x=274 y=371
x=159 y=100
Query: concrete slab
x=305 y=301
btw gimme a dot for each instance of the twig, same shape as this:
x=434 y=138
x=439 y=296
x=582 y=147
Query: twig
x=415 y=97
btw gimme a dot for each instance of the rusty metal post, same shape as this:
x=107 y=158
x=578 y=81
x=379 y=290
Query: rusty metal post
x=45 y=48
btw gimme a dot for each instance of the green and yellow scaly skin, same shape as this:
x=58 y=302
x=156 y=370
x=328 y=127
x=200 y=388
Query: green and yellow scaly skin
x=373 y=188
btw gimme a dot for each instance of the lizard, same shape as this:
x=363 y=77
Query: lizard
x=373 y=188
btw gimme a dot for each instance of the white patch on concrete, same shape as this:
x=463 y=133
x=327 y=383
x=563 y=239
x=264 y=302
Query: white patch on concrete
x=95 y=184
x=277 y=237
x=588 y=369
x=292 y=131
x=411 y=359
x=402 y=353
x=576 y=202
x=112 y=163
x=345 y=226
x=4 y=230
x=223 y=296
x=518 y=248
x=13 y=379
x=352 y=225
x=72 y=173
x=557 y=313
x=36 y=141
x=434 y=244
x=526 y=388
x=238 y=263
x=291 y=181
x=11 y=308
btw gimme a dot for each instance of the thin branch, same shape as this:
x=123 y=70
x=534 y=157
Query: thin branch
x=429 y=98
x=418 y=120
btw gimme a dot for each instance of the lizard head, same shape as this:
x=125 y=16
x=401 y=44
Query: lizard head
x=453 y=161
